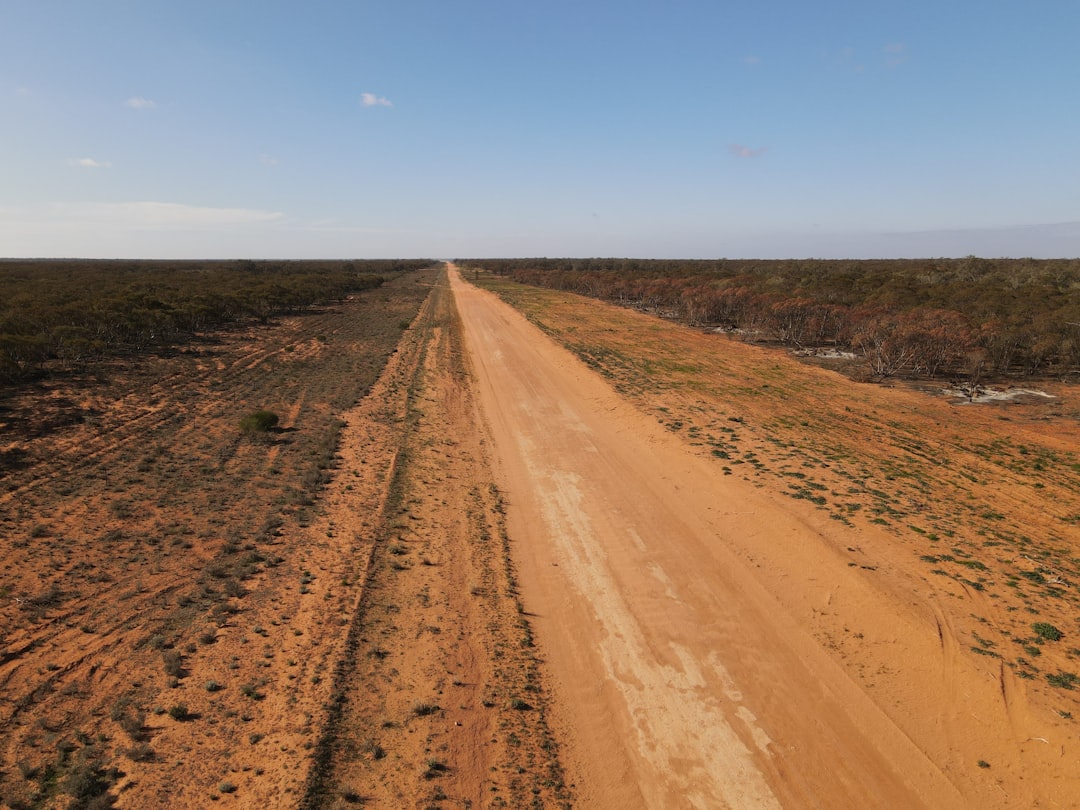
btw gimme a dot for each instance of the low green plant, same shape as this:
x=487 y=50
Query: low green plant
x=1063 y=680
x=174 y=663
x=1047 y=631
x=259 y=422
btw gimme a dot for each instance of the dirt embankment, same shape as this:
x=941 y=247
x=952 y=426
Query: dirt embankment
x=441 y=701
x=762 y=585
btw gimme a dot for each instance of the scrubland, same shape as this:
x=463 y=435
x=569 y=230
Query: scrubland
x=200 y=605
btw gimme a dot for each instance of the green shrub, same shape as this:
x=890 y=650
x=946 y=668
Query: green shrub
x=1063 y=680
x=1047 y=631
x=259 y=422
x=140 y=752
x=174 y=663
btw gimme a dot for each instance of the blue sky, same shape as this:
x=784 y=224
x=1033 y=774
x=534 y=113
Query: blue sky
x=685 y=128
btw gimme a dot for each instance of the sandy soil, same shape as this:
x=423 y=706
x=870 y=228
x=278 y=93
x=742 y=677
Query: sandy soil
x=712 y=642
x=171 y=610
x=442 y=699
x=683 y=573
x=324 y=616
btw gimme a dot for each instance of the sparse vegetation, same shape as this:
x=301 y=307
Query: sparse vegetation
x=423 y=709
x=138 y=500
x=934 y=317
x=73 y=313
x=1063 y=680
x=230 y=520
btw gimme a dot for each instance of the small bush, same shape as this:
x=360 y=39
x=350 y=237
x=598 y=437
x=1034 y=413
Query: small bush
x=372 y=749
x=174 y=663
x=179 y=711
x=134 y=724
x=1063 y=680
x=85 y=782
x=1047 y=631
x=234 y=589
x=259 y=422
x=140 y=752
x=435 y=768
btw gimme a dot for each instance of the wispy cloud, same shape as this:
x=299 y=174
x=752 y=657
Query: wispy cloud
x=740 y=151
x=268 y=160
x=752 y=60
x=153 y=229
x=895 y=54
x=159 y=215
x=847 y=58
x=372 y=100
x=140 y=103
x=89 y=163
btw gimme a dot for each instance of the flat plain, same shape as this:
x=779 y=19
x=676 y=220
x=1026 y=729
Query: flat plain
x=844 y=592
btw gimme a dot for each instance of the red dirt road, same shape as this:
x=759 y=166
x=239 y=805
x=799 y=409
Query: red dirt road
x=681 y=679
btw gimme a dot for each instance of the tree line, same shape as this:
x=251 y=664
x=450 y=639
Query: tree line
x=66 y=313
x=931 y=317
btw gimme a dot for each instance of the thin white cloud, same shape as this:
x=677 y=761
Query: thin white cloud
x=895 y=54
x=159 y=215
x=268 y=160
x=752 y=60
x=740 y=151
x=22 y=91
x=140 y=103
x=372 y=100
x=848 y=59
x=89 y=163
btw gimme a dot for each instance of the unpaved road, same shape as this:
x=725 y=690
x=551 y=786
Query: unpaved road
x=682 y=681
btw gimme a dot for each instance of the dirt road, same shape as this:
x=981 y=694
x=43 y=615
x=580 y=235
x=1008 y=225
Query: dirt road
x=683 y=681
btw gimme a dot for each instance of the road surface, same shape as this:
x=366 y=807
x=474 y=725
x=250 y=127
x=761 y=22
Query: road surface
x=680 y=681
